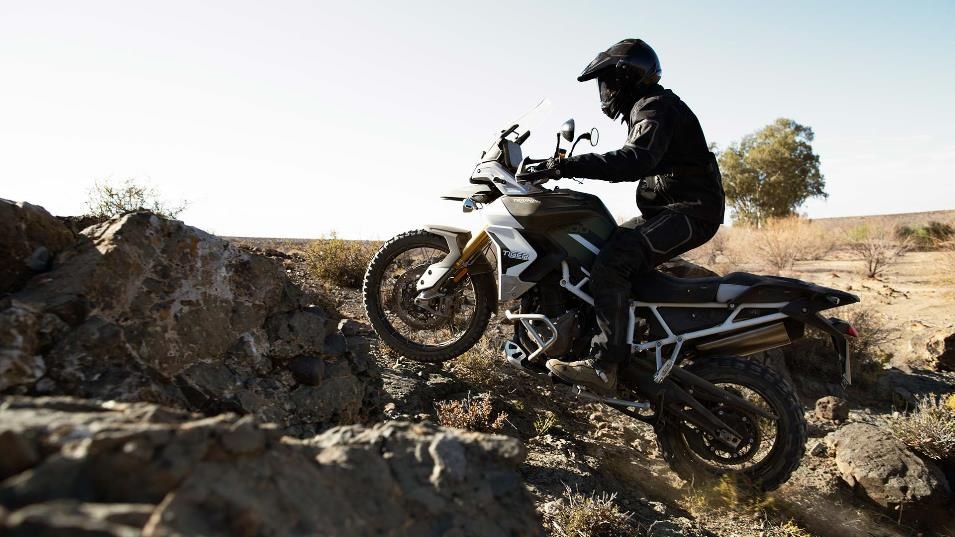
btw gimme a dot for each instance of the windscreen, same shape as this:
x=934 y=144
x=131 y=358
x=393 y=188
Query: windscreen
x=525 y=123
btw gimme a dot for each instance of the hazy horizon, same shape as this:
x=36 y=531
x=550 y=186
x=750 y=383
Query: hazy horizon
x=301 y=118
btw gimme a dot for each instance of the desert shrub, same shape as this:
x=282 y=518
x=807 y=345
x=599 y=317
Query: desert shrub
x=927 y=237
x=107 y=199
x=580 y=515
x=480 y=365
x=471 y=413
x=930 y=428
x=339 y=261
x=877 y=247
x=710 y=253
x=782 y=242
x=815 y=357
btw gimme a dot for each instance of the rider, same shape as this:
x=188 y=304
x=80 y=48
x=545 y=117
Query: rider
x=680 y=197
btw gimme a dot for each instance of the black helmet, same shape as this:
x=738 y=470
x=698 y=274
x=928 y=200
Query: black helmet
x=622 y=72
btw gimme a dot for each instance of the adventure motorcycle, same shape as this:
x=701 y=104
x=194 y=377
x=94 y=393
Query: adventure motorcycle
x=429 y=294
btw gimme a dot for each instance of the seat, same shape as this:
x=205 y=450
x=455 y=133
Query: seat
x=657 y=287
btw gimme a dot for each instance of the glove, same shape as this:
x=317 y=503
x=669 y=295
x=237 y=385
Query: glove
x=549 y=169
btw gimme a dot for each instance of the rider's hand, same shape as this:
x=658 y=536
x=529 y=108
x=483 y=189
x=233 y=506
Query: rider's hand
x=549 y=169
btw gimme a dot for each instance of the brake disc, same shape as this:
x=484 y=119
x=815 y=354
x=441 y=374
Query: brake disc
x=403 y=295
x=708 y=448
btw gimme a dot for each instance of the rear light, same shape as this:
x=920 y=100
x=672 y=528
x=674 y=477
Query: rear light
x=852 y=331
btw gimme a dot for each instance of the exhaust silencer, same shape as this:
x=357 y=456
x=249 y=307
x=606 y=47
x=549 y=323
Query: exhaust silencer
x=751 y=341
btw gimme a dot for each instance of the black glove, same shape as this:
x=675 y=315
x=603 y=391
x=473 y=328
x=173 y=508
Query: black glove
x=548 y=169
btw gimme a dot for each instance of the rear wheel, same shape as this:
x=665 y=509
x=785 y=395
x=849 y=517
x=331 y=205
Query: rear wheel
x=438 y=330
x=772 y=449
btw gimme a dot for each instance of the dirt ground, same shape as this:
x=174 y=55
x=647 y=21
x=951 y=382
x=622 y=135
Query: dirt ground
x=916 y=297
x=587 y=447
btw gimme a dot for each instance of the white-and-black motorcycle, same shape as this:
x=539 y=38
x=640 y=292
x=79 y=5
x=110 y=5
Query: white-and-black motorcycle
x=430 y=293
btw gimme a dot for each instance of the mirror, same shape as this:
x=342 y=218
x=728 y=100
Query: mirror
x=567 y=130
x=594 y=136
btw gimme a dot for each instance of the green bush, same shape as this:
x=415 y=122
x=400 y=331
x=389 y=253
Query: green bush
x=927 y=237
x=339 y=261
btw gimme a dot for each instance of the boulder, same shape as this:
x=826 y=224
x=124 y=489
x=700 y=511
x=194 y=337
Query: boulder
x=29 y=239
x=137 y=468
x=150 y=309
x=878 y=465
x=942 y=348
x=832 y=408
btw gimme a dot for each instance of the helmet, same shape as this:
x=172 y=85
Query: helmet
x=622 y=72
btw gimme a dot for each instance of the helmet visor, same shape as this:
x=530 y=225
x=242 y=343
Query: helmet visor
x=607 y=88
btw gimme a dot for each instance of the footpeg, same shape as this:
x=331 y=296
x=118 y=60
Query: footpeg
x=514 y=354
x=588 y=395
x=518 y=357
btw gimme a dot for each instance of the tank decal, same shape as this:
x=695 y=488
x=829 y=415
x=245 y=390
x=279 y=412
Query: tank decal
x=587 y=244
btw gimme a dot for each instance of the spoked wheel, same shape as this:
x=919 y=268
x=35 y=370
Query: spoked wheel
x=431 y=330
x=771 y=449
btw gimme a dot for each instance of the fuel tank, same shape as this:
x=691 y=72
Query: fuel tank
x=573 y=223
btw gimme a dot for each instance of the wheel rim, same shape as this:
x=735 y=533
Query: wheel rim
x=438 y=323
x=761 y=435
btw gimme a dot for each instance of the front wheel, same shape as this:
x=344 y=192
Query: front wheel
x=438 y=330
x=774 y=448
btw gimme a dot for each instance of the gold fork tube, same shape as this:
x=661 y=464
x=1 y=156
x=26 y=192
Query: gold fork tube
x=474 y=247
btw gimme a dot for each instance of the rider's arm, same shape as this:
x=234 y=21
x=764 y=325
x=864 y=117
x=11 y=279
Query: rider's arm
x=651 y=130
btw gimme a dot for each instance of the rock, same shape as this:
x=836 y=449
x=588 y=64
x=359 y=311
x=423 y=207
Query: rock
x=20 y=362
x=182 y=475
x=942 y=349
x=819 y=450
x=150 y=309
x=903 y=388
x=17 y=453
x=873 y=461
x=351 y=327
x=308 y=370
x=75 y=518
x=29 y=238
x=832 y=408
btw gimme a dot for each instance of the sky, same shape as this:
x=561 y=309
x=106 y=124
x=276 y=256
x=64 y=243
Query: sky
x=296 y=119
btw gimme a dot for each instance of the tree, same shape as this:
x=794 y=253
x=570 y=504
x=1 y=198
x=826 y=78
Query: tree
x=770 y=173
x=107 y=199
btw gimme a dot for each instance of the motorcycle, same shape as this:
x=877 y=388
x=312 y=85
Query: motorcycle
x=430 y=293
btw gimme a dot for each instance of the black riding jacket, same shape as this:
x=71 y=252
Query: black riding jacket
x=667 y=150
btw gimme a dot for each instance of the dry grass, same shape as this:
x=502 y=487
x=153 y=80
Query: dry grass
x=930 y=428
x=544 y=422
x=471 y=413
x=339 y=261
x=780 y=243
x=480 y=364
x=580 y=515
x=776 y=246
x=746 y=509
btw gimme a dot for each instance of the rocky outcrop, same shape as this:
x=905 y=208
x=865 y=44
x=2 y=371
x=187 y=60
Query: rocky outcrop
x=150 y=309
x=129 y=468
x=873 y=461
x=29 y=239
